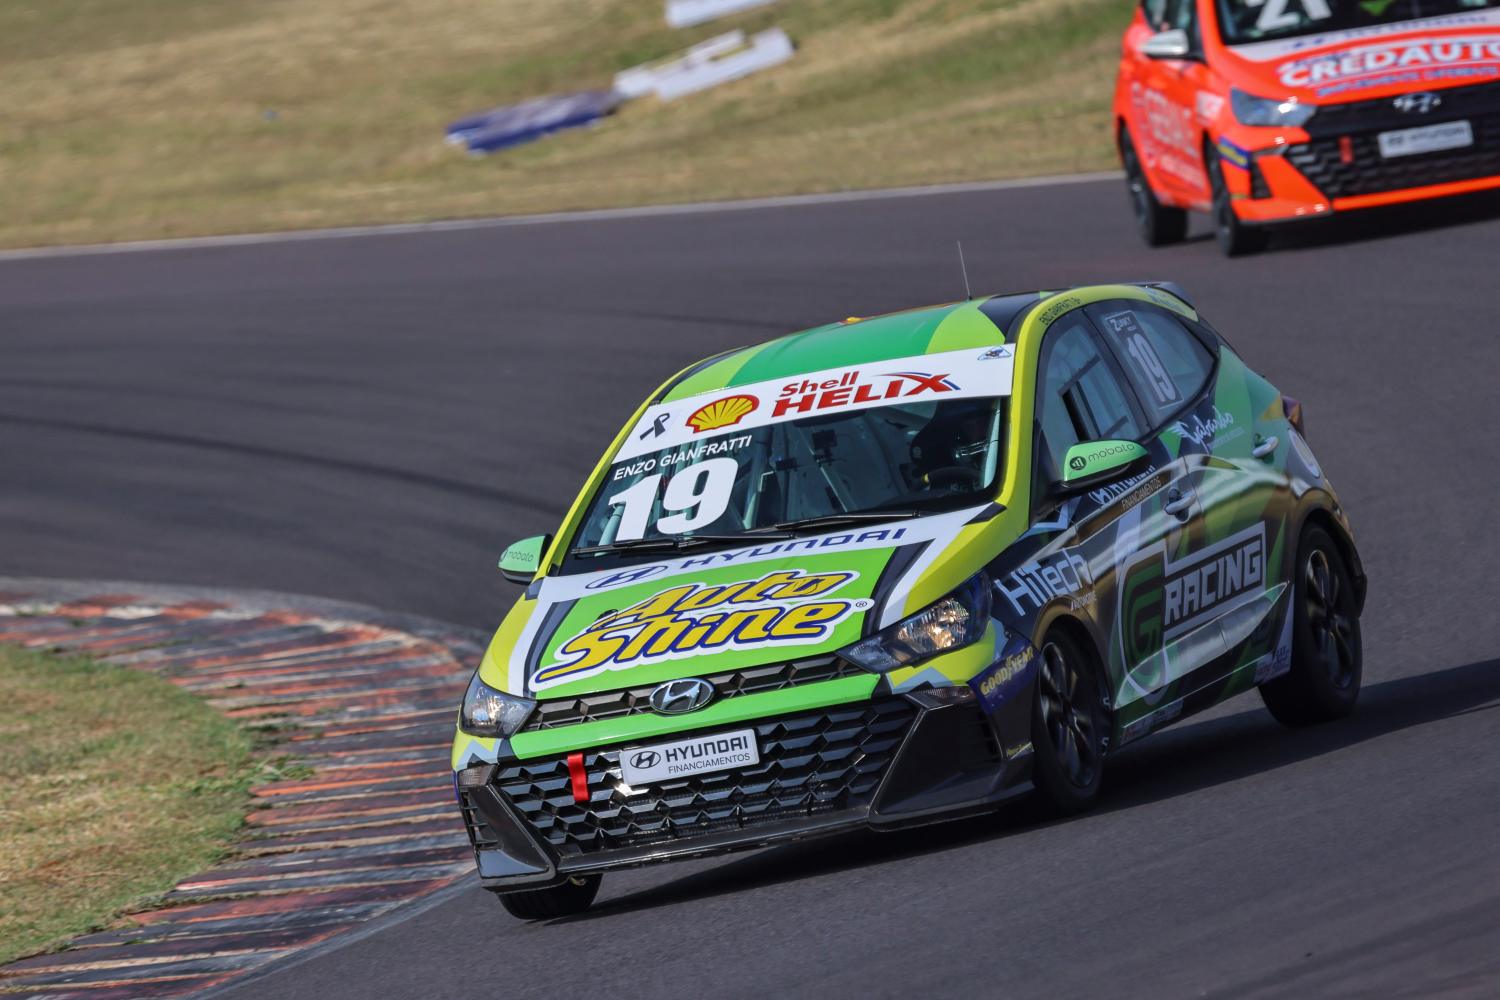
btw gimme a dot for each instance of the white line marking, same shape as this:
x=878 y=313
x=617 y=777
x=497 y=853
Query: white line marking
x=503 y=222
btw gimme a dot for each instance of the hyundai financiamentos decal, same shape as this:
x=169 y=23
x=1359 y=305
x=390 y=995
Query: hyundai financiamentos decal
x=1263 y=111
x=897 y=570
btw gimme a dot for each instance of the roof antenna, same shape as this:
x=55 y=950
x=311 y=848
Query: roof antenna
x=968 y=293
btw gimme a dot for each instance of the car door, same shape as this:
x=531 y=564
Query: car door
x=1086 y=540
x=1221 y=593
x=1166 y=100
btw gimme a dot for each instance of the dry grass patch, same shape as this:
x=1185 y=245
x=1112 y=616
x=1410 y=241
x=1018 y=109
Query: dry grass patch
x=147 y=118
x=114 y=785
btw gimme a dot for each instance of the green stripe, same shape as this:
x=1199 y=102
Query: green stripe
x=630 y=728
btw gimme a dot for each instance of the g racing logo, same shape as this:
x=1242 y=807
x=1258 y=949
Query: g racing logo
x=784 y=607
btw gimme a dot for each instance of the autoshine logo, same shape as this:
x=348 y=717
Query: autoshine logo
x=785 y=607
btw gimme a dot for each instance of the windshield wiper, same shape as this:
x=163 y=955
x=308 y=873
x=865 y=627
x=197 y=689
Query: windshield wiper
x=851 y=517
x=678 y=542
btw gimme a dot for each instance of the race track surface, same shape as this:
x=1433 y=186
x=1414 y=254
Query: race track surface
x=373 y=418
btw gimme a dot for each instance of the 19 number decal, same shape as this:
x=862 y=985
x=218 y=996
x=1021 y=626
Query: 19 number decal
x=1147 y=361
x=697 y=496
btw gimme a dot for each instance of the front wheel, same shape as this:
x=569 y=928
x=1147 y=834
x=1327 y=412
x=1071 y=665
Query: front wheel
x=573 y=896
x=1067 y=725
x=1327 y=661
x=1234 y=237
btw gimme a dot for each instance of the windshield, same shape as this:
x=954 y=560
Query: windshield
x=884 y=462
x=1242 y=21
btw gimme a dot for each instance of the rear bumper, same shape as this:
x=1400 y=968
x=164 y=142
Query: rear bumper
x=882 y=764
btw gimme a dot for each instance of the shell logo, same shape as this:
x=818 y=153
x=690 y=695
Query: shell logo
x=724 y=412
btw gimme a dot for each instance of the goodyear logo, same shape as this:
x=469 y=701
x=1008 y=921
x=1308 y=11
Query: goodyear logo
x=991 y=685
x=785 y=607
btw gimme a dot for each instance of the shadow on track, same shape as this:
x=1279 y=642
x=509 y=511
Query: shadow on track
x=1370 y=224
x=1176 y=762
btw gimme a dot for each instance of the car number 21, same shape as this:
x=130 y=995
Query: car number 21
x=695 y=497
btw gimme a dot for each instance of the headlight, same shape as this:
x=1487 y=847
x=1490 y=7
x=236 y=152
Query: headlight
x=1252 y=110
x=952 y=623
x=487 y=712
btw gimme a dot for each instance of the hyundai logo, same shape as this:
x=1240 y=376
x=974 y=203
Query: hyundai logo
x=1419 y=104
x=677 y=697
x=645 y=759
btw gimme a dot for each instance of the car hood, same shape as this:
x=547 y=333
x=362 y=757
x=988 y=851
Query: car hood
x=1337 y=66
x=704 y=613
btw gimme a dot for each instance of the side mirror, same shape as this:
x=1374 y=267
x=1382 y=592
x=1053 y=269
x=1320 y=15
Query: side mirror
x=1095 y=463
x=519 y=563
x=1173 y=44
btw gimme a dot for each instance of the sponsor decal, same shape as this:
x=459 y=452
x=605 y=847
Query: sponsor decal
x=1032 y=585
x=956 y=374
x=1077 y=463
x=1114 y=491
x=1005 y=676
x=722 y=413
x=1162 y=598
x=634 y=574
x=1155 y=720
x=1398 y=59
x=808 y=396
x=1059 y=307
x=1208 y=106
x=1205 y=433
x=1100 y=454
x=786 y=607
x=695 y=755
x=1235 y=156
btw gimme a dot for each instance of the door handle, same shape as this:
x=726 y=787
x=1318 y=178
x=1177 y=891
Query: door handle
x=1177 y=503
x=1264 y=448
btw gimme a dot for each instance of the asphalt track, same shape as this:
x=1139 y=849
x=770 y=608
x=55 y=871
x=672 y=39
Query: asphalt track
x=372 y=418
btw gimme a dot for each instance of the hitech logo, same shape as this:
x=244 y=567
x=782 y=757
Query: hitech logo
x=848 y=389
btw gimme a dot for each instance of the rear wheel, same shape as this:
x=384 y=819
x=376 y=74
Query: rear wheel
x=1235 y=238
x=1068 y=724
x=573 y=896
x=1158 y=224
x=1327 y=662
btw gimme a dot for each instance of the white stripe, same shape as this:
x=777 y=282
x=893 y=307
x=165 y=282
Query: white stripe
x=598 y=215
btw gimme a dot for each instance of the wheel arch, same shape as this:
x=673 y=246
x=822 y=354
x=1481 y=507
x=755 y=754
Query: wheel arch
x=1339 y=532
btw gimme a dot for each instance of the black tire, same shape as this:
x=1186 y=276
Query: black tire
x=573 y=896
x=1068 y=724
x=1157 y=224
x=1327 y=662
x=1235 y=238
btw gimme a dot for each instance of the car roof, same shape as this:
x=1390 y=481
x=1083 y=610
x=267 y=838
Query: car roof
x=856 y=341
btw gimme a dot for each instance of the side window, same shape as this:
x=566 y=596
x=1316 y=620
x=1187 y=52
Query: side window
x=1167 y=364
x=1080 y=397
x=1156 y=13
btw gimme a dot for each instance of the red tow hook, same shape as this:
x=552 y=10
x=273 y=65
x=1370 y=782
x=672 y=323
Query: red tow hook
x=579 y=775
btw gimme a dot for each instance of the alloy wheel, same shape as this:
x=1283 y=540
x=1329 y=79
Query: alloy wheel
x=1328 y=619
x=1067 y=703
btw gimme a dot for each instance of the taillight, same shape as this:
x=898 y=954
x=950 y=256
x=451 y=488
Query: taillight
x=1293 y=409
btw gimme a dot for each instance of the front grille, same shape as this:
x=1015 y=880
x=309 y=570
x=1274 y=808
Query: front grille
x=636 y=700
x=1367 y=172
x=823 y=761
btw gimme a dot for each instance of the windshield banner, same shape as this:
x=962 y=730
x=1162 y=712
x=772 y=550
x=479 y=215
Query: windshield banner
x=974 y=372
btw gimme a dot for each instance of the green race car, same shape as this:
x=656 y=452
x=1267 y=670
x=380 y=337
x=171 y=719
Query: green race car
x=897 y=570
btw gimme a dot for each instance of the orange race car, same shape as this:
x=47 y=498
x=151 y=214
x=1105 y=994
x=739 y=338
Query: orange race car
x=1265 y=111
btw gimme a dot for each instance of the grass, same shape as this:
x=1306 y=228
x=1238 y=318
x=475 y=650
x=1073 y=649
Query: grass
x=114 y=785
x=152 y=118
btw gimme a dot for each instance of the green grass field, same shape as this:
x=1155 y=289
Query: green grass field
x=114 y=785
x=150 y=118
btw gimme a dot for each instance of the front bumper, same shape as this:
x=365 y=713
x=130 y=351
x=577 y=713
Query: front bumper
x=884 y=763
x=1335 y=163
